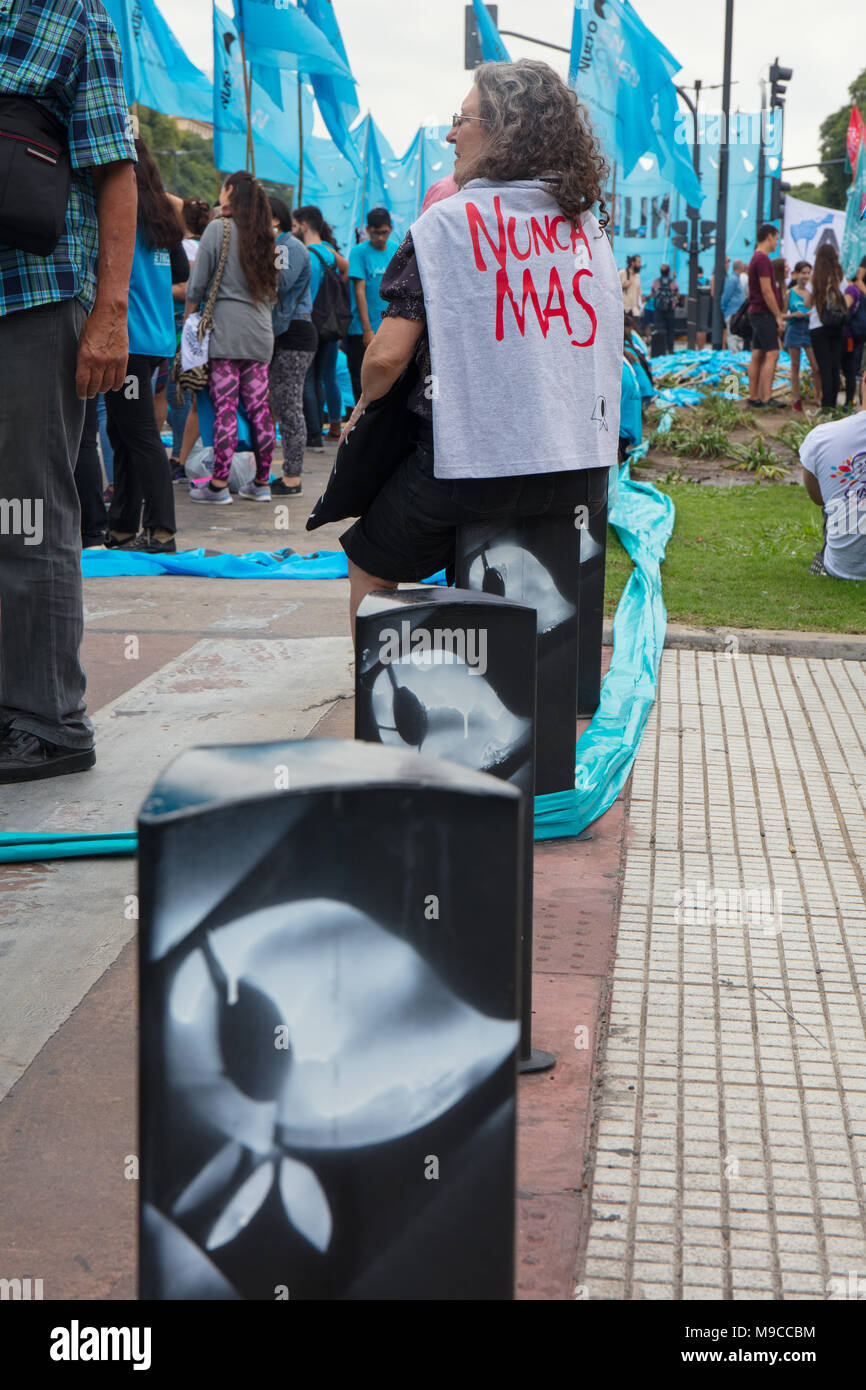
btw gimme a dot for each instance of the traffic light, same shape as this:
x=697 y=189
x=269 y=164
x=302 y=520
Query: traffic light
x=680 y=235
x=708 y=235
x=778 y=78
x=777 y=198
x=474 y=57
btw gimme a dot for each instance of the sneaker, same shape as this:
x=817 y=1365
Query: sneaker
x=798 y=406
x=178 y=472
x=148 y=543
x=774 y=404
x=220 y=496
x=756 y=405
x=26 y=758
x=281 y=489
x=316 y=446
x=255 y=492
x=113 y=542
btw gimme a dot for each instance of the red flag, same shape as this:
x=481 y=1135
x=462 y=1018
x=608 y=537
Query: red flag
x=856 y=130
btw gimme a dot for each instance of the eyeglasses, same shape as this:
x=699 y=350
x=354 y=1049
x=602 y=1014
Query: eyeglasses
x=458 y=118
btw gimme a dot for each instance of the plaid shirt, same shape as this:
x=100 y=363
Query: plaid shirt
x=66 y=54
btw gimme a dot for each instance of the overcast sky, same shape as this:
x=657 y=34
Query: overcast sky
x=408 y=56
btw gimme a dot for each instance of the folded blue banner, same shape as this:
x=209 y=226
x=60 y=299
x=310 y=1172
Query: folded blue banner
x=643 y=518
x=256 y=564
x=156 y=70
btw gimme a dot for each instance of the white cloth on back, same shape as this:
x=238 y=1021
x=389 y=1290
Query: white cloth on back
x=525 y=320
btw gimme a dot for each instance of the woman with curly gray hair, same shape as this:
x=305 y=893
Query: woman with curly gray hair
x=506 y=298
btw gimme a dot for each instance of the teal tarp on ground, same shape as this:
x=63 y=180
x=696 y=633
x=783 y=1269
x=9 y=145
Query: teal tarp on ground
x=256 y=564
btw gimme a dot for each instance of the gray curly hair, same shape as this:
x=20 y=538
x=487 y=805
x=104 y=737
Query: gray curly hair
x=538 y=127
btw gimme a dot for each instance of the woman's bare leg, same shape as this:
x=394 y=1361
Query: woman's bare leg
x=360 y=585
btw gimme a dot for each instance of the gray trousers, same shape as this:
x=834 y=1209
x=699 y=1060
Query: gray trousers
x=41 y=609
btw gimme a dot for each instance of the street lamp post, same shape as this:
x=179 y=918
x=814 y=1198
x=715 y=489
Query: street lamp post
x=693 y=214
x=722 y=207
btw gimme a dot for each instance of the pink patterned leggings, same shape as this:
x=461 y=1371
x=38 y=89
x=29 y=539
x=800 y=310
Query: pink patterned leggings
x=230 y=379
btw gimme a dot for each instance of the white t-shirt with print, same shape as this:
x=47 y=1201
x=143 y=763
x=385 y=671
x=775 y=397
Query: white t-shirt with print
x=835 y=454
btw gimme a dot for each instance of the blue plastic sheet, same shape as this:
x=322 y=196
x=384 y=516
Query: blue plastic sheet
x=256 y=564
x=643 y=519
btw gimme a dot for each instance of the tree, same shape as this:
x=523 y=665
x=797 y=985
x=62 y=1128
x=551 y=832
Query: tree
x=837 y=177
x=184 y=159
x=808 y=192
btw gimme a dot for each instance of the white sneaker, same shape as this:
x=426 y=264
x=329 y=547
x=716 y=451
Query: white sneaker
x=255 y=492
x=205 y=493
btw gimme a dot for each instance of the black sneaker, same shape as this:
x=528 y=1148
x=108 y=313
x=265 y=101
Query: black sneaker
x=281 y=489
x=148 y=543
x=112 y=542
x=26 y=758
x=316 y=446
x=178 y=472
x=756 y=405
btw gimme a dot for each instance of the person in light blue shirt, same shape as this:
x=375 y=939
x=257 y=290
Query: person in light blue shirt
x=367 y=264
x=142 y=474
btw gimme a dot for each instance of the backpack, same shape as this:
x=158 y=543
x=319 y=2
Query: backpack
x=834 y=312
x=739 y=324
x=664 y=296
x=332 y=307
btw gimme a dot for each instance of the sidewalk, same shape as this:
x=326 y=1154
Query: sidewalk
x=732 y=1128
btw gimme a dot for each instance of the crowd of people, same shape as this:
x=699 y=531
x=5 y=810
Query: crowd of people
x=150 y=311
x=813 y=311
x=285 y=301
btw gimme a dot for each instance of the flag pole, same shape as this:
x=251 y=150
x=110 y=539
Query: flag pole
x=300 y=201
x=251 y=154
x=613 y=207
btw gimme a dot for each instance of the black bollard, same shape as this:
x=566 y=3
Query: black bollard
x=328 y=968
x=453 y=673
x=536 y=562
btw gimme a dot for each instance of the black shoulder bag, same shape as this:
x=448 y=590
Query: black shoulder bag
x=35 y=175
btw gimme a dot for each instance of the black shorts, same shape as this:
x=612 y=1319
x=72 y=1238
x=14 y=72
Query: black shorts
x=765 y=332
x=409 y=531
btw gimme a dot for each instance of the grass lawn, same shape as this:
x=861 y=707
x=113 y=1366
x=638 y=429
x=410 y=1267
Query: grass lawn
x=739 y=557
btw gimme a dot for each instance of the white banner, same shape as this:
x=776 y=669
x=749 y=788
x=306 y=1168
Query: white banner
x=806 y=227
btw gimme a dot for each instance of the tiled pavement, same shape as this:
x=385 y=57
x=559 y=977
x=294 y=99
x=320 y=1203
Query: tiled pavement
x=732 y=1131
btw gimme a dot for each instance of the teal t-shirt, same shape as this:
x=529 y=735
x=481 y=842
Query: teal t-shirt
x=151 y=306
x=321 y=251
x=369 y=265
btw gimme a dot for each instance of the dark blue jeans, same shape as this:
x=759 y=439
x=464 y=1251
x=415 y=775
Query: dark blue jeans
x=321 y=385
x=41 y=420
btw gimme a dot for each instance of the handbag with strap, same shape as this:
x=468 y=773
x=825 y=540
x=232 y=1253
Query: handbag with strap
x=191 y=367
x=35 y=176
x=370 y=453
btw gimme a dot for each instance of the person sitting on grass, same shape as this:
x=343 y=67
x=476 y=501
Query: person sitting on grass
x=833 y=456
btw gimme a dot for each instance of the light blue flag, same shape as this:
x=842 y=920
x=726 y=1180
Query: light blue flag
x=336 y=97
x=156 y=71
x=623 y=74
x=493 y=50
x=275 y=127
x=280 y=35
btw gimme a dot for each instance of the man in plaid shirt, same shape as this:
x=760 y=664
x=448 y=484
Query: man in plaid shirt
x=62 y=339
